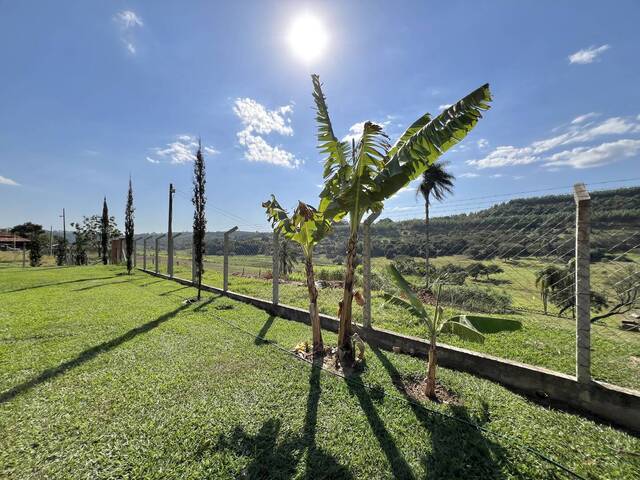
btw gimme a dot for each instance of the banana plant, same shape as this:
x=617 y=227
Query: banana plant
x=467 y=327
x=360 y=176
x=306 y=226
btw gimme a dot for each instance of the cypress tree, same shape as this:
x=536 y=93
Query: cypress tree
x=199 y=218
x=128 y=228
x=35 y=250
x=104 y=231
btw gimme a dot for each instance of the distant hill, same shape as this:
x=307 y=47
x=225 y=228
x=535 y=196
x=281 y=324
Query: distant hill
x=537 y=226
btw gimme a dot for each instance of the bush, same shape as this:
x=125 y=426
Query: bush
x=476 y=299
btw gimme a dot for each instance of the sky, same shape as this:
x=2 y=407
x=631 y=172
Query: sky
x=92 y=92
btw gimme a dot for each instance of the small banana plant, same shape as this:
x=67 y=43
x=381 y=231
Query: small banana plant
x=467 y=327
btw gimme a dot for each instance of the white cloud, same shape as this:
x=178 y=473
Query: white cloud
x=182 y=150
x=588 y=55
x=128 y=21
x=469 y=175
x=587 y=157
x=444 y=106
x=355 y=130
x=8 y=181
x=258 y=121
x=497 y=175
x=584 y=118
x=483 y=143
x=578 y=132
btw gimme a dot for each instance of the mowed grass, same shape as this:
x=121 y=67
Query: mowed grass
x=104 y=375
x=544 y=340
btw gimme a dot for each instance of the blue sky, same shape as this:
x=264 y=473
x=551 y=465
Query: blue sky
x=93 y=91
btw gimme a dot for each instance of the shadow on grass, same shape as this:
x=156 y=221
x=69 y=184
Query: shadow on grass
x=274 y=458
x=87 y=355
x=458 y=450
x=398 y=464
x=57 y=283
x=263 y=331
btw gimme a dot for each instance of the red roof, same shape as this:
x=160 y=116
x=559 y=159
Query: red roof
x=10 y=238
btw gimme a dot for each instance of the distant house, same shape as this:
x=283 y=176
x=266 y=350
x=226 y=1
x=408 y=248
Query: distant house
x=9 y=241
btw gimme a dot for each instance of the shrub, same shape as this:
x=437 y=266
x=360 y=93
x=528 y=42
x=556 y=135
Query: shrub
x=476 y=299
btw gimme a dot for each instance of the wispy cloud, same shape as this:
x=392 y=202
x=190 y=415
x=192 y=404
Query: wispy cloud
x=584 y=118
x=469 y=175
x=588 y=55
x=258 y=121
x=8 y=181
x=603 y=154
x=483 y=143
x=444 y=106
x=578 y=132
x=180 y=151
x=128 y=21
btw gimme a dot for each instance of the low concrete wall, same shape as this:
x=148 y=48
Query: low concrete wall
x=617 y=405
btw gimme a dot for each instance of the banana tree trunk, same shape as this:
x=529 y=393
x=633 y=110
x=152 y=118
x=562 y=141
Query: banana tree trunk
x=430 y=386
x=344 y=331
x=426 y=242
x=314 y=315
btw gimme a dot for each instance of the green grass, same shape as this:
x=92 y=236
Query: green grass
x=545 y=341
x=105 y=375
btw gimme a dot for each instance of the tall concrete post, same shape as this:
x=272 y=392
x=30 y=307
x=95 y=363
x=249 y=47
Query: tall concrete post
x=157 y=269
x=366 y=265
x=193 y=264
x=24 y=256
x=170 y=236
x=135 y=251
x=225 y=265
x=144 y=252
x=583 y=287
x=275 y=269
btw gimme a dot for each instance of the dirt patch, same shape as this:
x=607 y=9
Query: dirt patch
x=635 y=361
x=330 y=360
x=413 y=386
x=426 y=296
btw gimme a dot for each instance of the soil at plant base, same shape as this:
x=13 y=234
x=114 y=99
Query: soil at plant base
x=330 y=360
x=413 y=386
x=426 y=296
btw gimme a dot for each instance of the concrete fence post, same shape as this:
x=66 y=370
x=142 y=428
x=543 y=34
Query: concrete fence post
x=583 y=287
x=225 y=265
x=171 y=254
x=144 y=252
x=157 y=269
x=275 y=269
x=366 y=265
x=24 y=257
x=135 y=252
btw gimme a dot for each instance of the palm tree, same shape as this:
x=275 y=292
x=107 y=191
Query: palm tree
x=436 y=183
x=546 y=280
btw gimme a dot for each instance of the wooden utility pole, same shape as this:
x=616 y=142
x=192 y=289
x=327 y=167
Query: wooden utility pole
x=170 y=232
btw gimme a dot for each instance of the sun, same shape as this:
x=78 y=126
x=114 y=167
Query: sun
x=307 y=37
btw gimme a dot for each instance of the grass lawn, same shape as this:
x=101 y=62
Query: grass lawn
x=104 y=375
x=544 y=341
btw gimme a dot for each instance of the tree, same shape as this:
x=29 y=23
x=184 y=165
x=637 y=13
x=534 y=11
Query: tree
x=306 y=226
x=626 y=285
x=104 y=232
x=546 y=279
x=436 y=183
x=359 y=177
x=91 y=229
x=79 y=248
x=61 y=251
x=35 y=250
x=492 y=269
x=287 y=257
x=27 y=229
x=199 y=201
x=466 y=327
x=129 y=228
x=476 y=269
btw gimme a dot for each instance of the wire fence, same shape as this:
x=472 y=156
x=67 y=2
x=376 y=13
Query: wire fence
x=513 y=257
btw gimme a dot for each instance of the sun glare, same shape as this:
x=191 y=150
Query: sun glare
x=307 y=37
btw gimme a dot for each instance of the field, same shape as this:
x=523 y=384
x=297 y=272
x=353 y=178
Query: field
x=544 y=340
x=106 y=375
